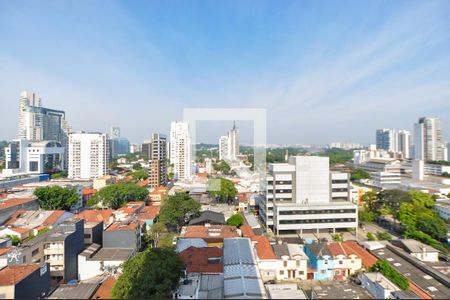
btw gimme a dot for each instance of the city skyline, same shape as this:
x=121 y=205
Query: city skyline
x=312 y=66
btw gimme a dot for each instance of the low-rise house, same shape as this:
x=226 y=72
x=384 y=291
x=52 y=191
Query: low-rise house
x=209 y=217
x=59 y=247
x=242 y=278
x=27 y=281
x=183 y=244
x=419 y=250
x=346 y=261
x=74 y=291
x=9 y=205
x=36 y=218
x=321 y=261
x=148 y=215
x=292 y=262
x=367 y=259
x=285 y=291
x=94 y=260
x=126 y=234
x=378 y=286
x=213 y=235
x=202 y=260
x=97 y=215
x=200 y=286
x=21 y=233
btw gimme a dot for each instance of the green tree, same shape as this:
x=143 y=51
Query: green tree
x=139 y=175
x=338 y=237
x=222 y=166
x=369 y=199
x=177 y=208
x=407 y=216
x=384 y=236
x=15 y=240
x=56 y=197
x=359 y=174
x=366 y=216
x=236 y=220
x=393 y=275
x=116 y=195
x=430 y=223
x=152 y=274
x=155 y=233
x=338 y=156
x=226 y=192
x=371 y=237
x=137 y=166
x=392 y=199
x=422 y=199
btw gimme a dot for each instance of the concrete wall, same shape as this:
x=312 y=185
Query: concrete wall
x=73 y=245
x=34 y=286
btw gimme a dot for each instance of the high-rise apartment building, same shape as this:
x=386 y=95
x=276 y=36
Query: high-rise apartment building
x=88 y=155
x=223 y=147
x=158 y=160
x=404 y=143
x=303 y=195
x=386 y=139
x=180 y=150
x=229 y=145
x=37 y=123
x=428 y=142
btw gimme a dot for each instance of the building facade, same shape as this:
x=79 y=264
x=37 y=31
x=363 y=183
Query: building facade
x=386 y=139
x=180 y=150
x=88 y=155
x=22 y=156
x=303 y=195
x=158 y=160
x=229 y=145
x=428 y=141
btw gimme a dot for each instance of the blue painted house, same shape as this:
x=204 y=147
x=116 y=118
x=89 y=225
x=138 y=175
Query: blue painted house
x=321 y=261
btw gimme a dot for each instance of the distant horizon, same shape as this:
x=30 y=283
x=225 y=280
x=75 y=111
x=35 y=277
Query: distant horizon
x=325 y=71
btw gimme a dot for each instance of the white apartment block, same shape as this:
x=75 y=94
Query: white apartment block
x=303 y=195
x=88 y=155
x=180 y=150
x=229 y=145
x=404 y=143
x=428 y=142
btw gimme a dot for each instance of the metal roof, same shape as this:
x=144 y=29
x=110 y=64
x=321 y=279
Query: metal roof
x=74 y=291
x=183 y=244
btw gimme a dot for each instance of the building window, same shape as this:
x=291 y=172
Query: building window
x=281 y=272
x=325 y=262
x=341 y=262
x=285 y=263
x=36 y=251
x=322 y=271
x=297 y=263
x=301 y=272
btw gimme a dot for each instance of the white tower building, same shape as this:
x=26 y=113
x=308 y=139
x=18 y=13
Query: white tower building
x=180 y=150
x=428 y=143
x=88 y=155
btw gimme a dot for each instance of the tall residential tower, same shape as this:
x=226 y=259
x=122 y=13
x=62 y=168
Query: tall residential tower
x=180 y=150
x=428 y=142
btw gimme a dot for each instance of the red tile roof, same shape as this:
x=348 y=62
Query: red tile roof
x=149 y=212
x=95 y=216
x=5 y=250
x=336 y=249
x=196 y=259
x=367 y=258
x=51 y=220
x=122 y=226
x=263 y=248
x=88 y=191
x=21 y=230
x=211 y=234
x=104 y=291
x=247 y=231
x=14 y=202
x=143 y=183
x=14 y=274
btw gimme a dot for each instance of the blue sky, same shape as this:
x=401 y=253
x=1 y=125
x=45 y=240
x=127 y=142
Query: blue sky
x=324 y=70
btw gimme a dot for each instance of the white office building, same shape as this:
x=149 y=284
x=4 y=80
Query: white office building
x=302 y=195
x=428 y=142
x=88 y=155
x=22 y=156
x=229 y=145
x=180 y=150
x=404 y=143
